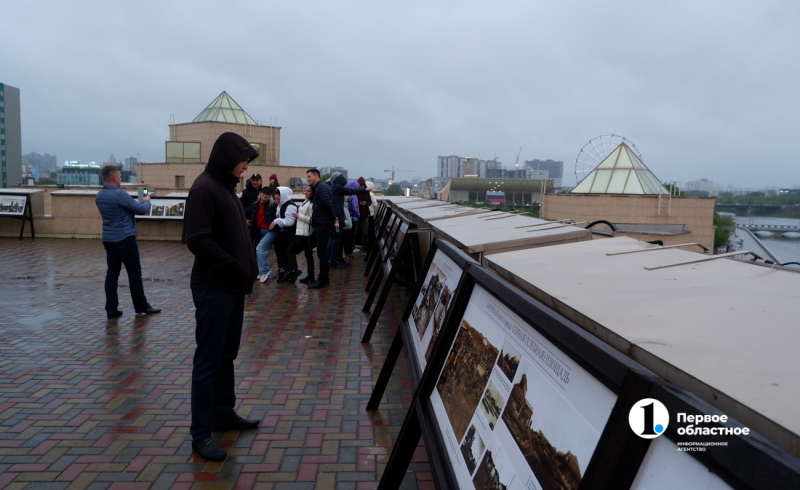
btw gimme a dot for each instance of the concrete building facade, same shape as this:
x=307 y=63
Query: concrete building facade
x=159 y=177
x=221 y=116
x=10 y=137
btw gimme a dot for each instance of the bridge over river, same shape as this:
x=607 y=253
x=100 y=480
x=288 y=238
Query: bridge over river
x=776 y=229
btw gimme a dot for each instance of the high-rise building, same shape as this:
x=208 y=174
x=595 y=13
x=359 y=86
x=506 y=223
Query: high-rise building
x=47 y=163
x=449 y=166
x=10 y=137
x=454 y=166
x=130 y=164
x=700 y=185
x=554 y=169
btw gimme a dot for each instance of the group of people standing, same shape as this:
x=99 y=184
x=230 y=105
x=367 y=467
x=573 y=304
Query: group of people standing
x=334 y=217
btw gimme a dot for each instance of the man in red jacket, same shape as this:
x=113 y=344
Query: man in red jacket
x=223 y=273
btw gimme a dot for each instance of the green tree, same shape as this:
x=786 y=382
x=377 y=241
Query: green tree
x=723 y=227
x=325 y=177
x=392 y=190
x=46 y=181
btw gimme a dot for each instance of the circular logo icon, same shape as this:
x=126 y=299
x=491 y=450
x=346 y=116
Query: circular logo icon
x=648 y=418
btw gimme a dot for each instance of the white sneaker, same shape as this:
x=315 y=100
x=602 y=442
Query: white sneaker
x=264 y=277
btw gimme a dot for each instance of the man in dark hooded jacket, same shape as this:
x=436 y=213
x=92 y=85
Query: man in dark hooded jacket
x=223 y=273
x=339 y=189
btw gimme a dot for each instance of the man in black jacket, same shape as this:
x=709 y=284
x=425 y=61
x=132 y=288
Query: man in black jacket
x=251 y=190
x=322 y=219
x=223 y=273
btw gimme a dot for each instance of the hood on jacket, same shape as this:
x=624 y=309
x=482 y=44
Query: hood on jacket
x=338 y=179
x=333 y=177
x=227 y=152
x=361 y=181
x=370 y=185
x=353 y=185
x=286 y=194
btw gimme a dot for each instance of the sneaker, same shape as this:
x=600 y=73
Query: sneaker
x=308 y=279
x=265 y=277
x=281 y=275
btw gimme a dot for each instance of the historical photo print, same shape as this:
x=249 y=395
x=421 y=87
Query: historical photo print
x=438 y=319
x=494 y=472
x=472 y=448
x=492 y=404
x=427 y=300
x=465 y=375
x=548 y=431
x=167 y=208
x=12 y=205
x=508 y=362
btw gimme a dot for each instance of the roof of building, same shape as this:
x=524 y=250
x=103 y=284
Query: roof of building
x=622 y=172
x=225 y=109
x=499 y=185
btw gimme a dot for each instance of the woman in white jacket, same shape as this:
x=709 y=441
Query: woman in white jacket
x=302 y=241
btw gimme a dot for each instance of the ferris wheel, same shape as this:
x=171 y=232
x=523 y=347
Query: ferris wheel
x=596 y=150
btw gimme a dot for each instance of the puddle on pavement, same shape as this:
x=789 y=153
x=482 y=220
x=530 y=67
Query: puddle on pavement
x=40 y=318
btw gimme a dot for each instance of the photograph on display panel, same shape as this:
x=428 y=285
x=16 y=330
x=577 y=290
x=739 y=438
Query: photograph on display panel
x=166 y=209
x=503 y=384
x=399 y=235
x=432 y=303
x=384 y=240
x=12 y=205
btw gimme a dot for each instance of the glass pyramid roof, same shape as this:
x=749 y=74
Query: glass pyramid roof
x=225 y=109
x=622 y=172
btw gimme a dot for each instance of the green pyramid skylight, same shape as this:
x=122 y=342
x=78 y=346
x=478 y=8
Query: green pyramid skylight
x=225 y=109
x=621 y=172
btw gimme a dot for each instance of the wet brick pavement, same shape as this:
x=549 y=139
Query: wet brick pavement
x=88 y=403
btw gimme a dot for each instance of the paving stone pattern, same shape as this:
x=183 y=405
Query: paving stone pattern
x=96 y=404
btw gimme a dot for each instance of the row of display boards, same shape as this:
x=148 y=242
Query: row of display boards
x=509 y=393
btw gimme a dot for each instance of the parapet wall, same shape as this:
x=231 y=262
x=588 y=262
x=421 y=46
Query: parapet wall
x=75 y=215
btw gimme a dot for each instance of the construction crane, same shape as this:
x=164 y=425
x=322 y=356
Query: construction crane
x=516 y=162
x=393 y=170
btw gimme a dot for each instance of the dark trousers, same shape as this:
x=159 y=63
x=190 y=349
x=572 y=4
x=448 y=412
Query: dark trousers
x=370 y=233
x=219 y=318
x=360 y=231
x=281 y=246
x=334 y=247
x=301 y=243
x=119 y=253
x=347 y=240
x=323 y=234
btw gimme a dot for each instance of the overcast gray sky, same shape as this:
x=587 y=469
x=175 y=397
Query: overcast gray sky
x=705 y=89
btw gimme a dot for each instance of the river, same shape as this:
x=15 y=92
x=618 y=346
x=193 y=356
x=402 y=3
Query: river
x=785 y=249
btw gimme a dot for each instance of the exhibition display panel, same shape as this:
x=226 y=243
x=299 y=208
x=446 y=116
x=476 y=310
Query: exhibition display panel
x=398 y=261
x=515 y=396
x=482 y=234
x=424 y=317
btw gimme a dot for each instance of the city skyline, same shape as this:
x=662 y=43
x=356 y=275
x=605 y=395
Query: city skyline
x=703 y=91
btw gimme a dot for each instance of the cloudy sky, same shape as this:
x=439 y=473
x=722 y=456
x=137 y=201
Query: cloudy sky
x=704 y=89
